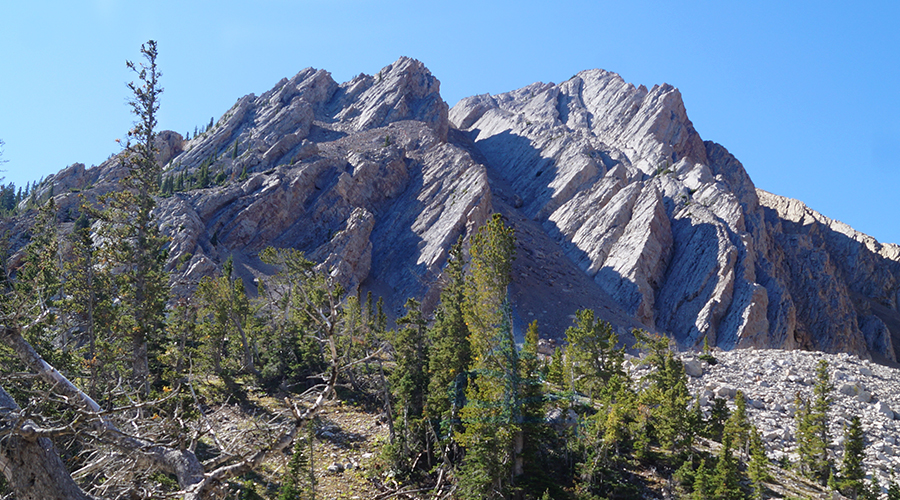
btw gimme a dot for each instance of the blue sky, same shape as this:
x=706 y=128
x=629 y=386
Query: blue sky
x=803 y=93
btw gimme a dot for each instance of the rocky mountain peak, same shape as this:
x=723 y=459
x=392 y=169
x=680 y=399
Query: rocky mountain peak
x=617 y=202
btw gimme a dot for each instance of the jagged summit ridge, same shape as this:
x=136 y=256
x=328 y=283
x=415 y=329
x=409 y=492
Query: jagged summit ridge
x=671 y=226
x=618 y=202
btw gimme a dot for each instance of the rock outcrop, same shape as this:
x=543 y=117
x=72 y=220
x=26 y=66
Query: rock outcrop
x=618 y=204
x=672 y=227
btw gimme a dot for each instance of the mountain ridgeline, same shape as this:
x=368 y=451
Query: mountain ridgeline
x=617 y=203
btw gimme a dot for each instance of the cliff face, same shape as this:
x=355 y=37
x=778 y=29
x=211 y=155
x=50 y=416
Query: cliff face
x=617 y=202
x=673 y=228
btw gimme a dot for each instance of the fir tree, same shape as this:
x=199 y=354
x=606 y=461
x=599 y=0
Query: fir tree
x=409 y=379
x=758 y=467
x=492 y=413
x=852 y=478
x=667 y=394
x=300 y=479
x=132 y=231
x=225 y=311
x=704 y=487
x=592 y=352
x=555 y=373
x=738 y=425
x=812 y=428
x=450 y=351
x=727 y=476
x=893 y=490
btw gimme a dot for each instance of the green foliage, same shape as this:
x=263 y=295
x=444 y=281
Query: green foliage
x=812 y=428
x=667 y=395
x=300 y=478
x=893 y=489
x=758 y=467
x=555 y=372
x=727 y=476
x=715 y=424
x=592 y=353
x=224 y=314
x=492 y=414
x=852 y=478
x=738 y=426
x=450 y=354
x=134 y=243
x=704 y=485
x=409 y=383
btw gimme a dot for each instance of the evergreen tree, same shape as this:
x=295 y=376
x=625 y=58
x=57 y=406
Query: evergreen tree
x=134 y=243
x=225 y=312
x=555 y=372
x=852 y=478
x=893 y=490
x=738 y=425
x=88 y=305
x=872 y=491
x=37 y=288
x=492 y=413
x=727 y=476
x=593 y=353
x=450 y=353
x=534 y=459
x=758 y=468
x=812 y=428
x=667 y=394
x=704 y=487
x=409 y=380
x=300 y=479
x=203 y=175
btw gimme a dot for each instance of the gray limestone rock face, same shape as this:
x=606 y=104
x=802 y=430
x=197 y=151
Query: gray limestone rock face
x=672 y=227
x=618 y=204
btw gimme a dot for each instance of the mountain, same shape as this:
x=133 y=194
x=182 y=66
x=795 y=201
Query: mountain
x=618 y=205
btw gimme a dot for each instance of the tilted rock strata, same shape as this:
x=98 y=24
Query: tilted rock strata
x=638 y=216
x=673 y=228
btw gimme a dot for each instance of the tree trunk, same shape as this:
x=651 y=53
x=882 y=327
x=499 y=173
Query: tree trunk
x=30 y=463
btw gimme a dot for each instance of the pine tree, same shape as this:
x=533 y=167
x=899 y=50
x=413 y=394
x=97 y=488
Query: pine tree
x=738 y=425
x=37 y=288
x=852 y=478
x=893 y=490
x=593 y=353
x=704 y=487
x=534 y=470
x=450 y=353
x=135 y=244
x=872 y=491
x=409 y=380
x=88 y=306
x=667 y=394
x=758 y=468
x=727 y=475
x=555 y=373
x=812 y=428
x=300 y=479
x=492 y=413
x=225 y=311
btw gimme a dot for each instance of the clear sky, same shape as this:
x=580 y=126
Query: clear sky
x=803 y=93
